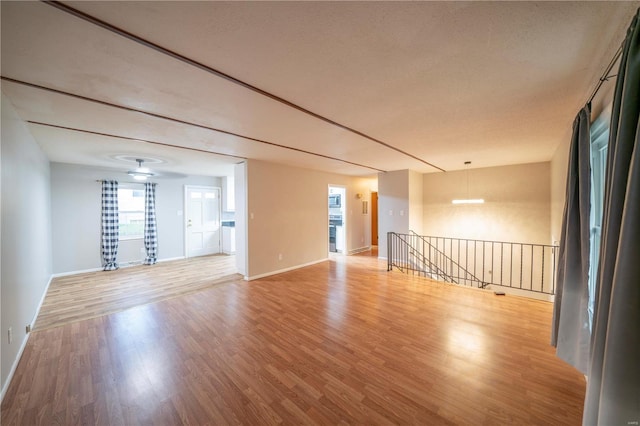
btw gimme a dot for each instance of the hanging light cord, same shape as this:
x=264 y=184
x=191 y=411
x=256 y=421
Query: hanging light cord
x=466 y=164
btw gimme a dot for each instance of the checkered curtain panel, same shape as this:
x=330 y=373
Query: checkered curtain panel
x=150 y=233
x=110 y=229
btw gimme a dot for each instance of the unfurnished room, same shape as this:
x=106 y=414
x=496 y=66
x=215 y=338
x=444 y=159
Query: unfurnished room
x=292 y=212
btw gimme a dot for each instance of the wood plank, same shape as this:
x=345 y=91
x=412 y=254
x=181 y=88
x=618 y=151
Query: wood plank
x=83 y=296
x=342 y=342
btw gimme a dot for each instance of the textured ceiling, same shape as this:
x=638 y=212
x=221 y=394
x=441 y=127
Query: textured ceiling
x=398 y=85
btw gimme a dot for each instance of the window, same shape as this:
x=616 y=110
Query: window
x=131 y=212
x=599 y=148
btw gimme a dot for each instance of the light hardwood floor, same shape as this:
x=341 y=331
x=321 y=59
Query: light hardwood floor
x=339 y=342
x=83 y=296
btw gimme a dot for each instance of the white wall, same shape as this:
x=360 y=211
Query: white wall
x=240 y=185
x=558 y=183
x=393 y=199
x=288 y=215
x=365 y=186
x=517 y=204
x=26 y=233
x=516 y=209
x=76 y=217
x=416 y=202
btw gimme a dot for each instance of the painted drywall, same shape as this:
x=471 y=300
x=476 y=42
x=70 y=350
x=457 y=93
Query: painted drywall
x=516 y=208
x=365 y=186
x=26 y=233
x=394 y=207
x=240 y=186
x=76 y=217
x=287 y=214
x=416 y=203
x=558 y=183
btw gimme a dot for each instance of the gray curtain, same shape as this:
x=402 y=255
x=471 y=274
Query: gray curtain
x=110 y=224
x=150 y=232
x=613 y=387
x=570 y=329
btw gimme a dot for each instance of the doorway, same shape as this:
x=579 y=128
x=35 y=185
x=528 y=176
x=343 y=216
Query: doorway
x=202 y=220
x=374 y=218
x=337 y=223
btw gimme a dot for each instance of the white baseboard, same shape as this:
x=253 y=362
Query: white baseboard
x=169 y=259
x=82 y=271
x=126 y=264
x=44 y=294
x=522 y=293
x=13 y=367
x=35 y=316
x=5 y=386
x=280 y=271
x=130 y=263
x=359 y=250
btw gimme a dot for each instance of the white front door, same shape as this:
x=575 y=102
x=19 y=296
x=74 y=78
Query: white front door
x=202 y=220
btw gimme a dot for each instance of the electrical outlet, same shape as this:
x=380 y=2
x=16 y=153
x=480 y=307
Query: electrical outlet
x=280 y=256
x=10 y=335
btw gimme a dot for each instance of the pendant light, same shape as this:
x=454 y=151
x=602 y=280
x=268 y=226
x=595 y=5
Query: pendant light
x=468 y=200
x=141 y=173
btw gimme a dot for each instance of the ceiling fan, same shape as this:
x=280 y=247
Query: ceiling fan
x=140 y=173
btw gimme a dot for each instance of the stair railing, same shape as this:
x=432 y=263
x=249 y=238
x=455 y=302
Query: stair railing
x=480 y=263
x=452 y=268
x=405 y=255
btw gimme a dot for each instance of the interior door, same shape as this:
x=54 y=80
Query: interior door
x=202 y=220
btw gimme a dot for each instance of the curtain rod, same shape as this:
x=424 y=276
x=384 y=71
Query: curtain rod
x=122 y=181
x=605 y=75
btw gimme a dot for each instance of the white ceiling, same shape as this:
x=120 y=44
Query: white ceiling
x=496 y=83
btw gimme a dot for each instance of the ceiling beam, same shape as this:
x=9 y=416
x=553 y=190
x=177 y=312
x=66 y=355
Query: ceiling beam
x=176 y=120
x=73 y=129
x=130 y=36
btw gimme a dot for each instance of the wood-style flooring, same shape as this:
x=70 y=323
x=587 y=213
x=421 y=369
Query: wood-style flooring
x=83 y=296
x=341 y=342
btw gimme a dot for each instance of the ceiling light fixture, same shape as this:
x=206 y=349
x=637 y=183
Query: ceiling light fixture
x=141 y=173
x=468 y=200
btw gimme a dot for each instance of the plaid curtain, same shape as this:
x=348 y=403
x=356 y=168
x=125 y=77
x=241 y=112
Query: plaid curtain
x=110 y=224
x=150 y=233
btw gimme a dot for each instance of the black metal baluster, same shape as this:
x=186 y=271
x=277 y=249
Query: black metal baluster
x=543 y=271
x=511 y=267
x=483 y=264
x=492 y=259
x=531 y=283
x=555 y=266
x=475 y=257
x=389 y=251
x=521 y=260
x=427 y=256
x=458 y=259
x=501 y=260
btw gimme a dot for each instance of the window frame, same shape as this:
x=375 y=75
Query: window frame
x=599 y=141
x=133 y=187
